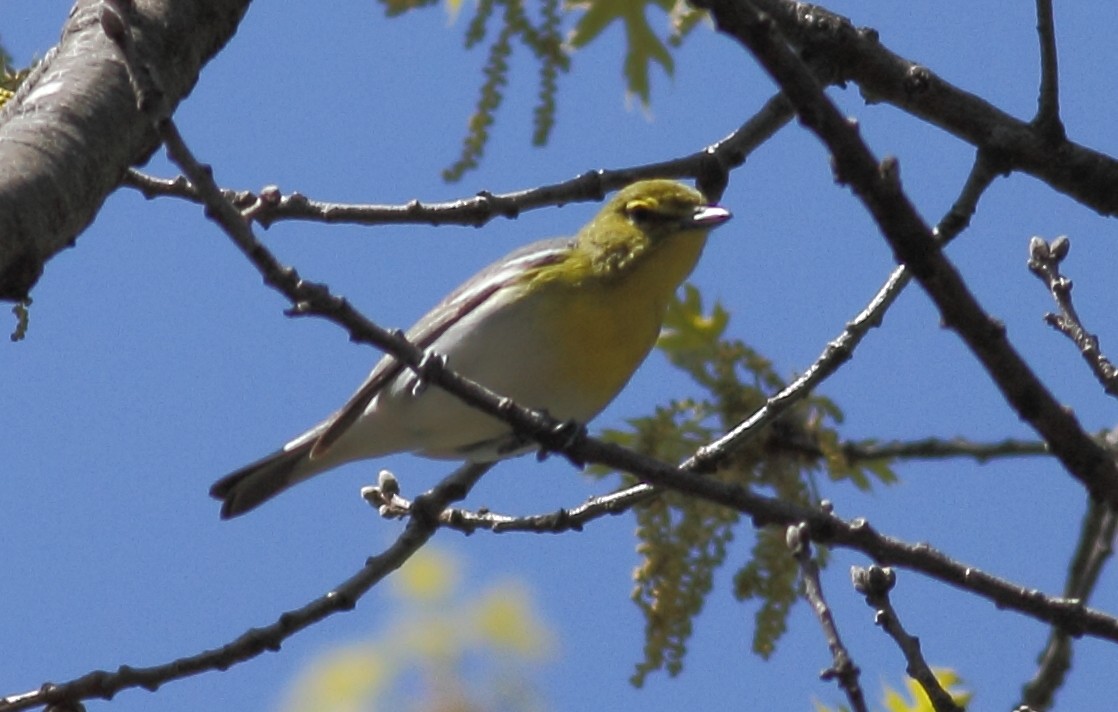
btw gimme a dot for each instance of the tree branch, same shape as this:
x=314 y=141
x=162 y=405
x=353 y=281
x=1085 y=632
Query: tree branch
x=577 y=446
x=941 y=449
x=709 y=166
x=878 y=187
x=1044 y=262
x=1047 y=119
x=842 y=668
x=1088 y=176
x=1095 y=547
x=104 y=685
x=72 y=130
x=875 y=583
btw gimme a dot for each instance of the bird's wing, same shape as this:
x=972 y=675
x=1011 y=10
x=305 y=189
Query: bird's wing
x=471 y=295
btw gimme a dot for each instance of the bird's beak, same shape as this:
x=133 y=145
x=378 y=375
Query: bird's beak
x=710 y=216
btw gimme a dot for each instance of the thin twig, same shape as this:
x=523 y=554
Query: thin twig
x=1047 y=118
x=939 y=449
x=841 y=349
x=875 y=583
x=1044 y=262
x=1068 y=614
x=1094 y=548
x=884 y=76
x=392 y=505
x=842 y=668
x=104 y=685
x=877 y=185
x=764 y=511
x=835 y=354
x=709 y=165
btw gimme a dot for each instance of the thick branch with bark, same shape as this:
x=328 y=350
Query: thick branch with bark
x=64 y=176
x=1088 y=176
x=72 y=131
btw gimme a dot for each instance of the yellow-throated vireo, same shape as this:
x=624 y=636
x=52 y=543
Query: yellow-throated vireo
x=559 y=325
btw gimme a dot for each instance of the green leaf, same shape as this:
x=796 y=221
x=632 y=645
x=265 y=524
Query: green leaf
x=683 y=540
x=687 y=329
x=642 y=44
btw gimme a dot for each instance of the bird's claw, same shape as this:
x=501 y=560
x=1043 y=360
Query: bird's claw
x=428 y=369
x=563 y=436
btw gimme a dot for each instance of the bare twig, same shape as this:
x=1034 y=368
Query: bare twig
x=939 y=449
x=344 y=597
x=875 y=583
x=825 y=527
x=709 y=165
x=1044 y=262
x=842 y=667
x=1047 y=119
x=1095 y=547
x=841 y=349
x=877 y=185
x=392 y=505
x=764 y=511
x=836 y=353
x=858 y=56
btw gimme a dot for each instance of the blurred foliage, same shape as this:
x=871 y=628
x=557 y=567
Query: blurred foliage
x=7 y=85
x=917 y=700
x=683 y=540
x=446 y=651
x=543 y=38
x=5 y=58
x=642 y=45
x=10 y=79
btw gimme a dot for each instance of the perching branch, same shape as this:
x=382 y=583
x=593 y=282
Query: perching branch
x=392 y=504
x=577 y=446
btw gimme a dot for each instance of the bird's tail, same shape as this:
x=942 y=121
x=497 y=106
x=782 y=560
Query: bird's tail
x=254 y=484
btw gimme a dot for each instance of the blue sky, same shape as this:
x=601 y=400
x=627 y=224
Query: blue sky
x=157 y=362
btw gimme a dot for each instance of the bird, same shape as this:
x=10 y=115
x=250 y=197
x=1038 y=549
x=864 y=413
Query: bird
x=559 y=326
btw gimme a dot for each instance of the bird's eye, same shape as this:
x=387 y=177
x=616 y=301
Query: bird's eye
x=643 y=214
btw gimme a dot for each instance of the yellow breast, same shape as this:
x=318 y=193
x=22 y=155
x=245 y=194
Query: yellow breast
x=610 y=322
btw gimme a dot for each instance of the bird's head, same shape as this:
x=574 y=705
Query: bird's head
x=647 y=217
